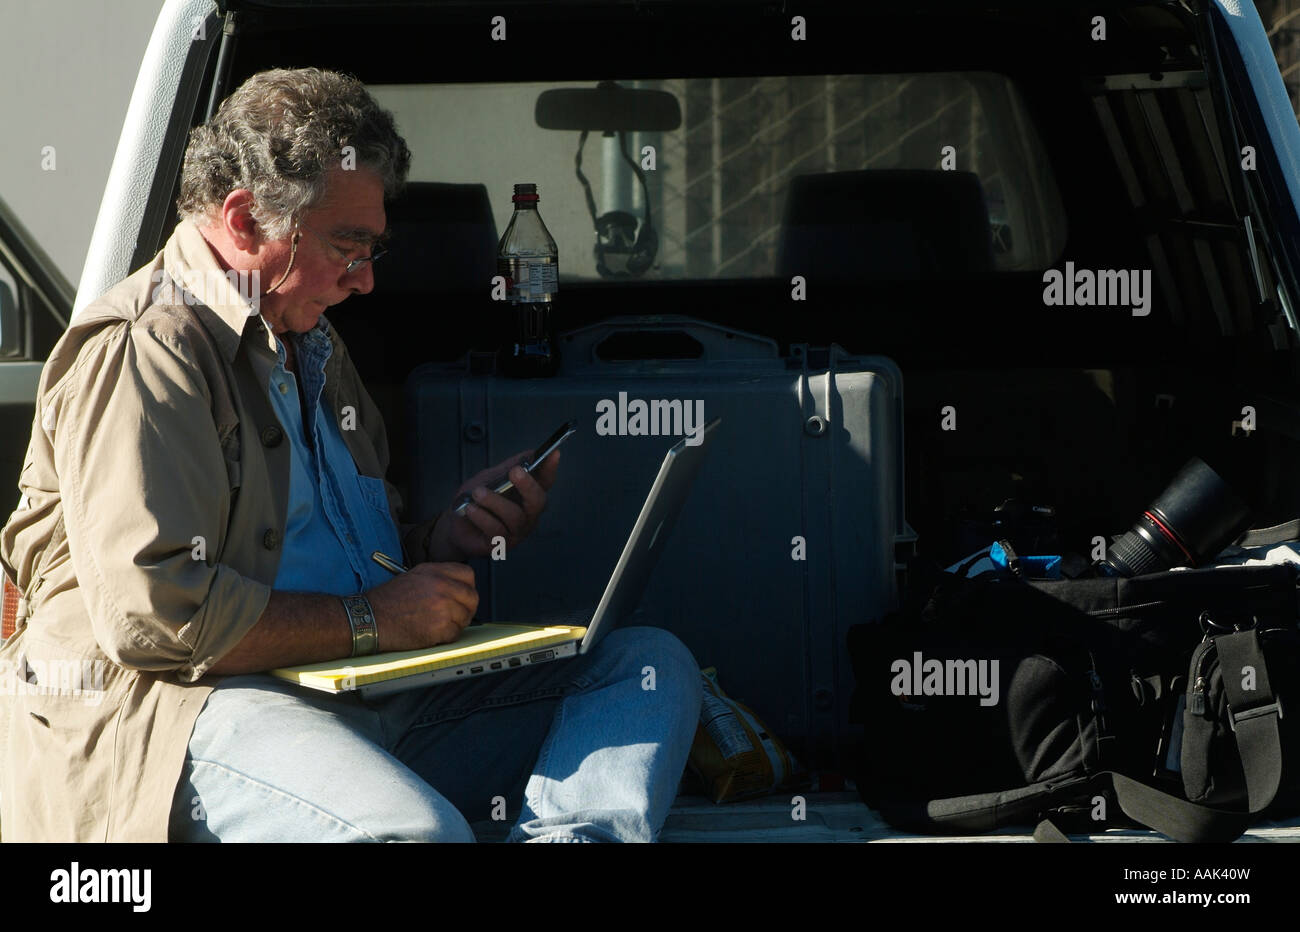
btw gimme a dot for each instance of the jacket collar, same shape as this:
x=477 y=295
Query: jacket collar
x=224 y=301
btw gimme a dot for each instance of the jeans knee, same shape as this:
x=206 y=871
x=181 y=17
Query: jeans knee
x=661 y=660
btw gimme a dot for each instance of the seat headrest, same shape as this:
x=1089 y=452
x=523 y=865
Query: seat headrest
x=444 y=239
x=885 y=225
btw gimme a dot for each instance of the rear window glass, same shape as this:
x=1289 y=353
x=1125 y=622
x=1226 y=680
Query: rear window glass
x=720 y=188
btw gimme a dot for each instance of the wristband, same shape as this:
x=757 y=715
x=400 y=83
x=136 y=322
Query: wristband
x=361 y=617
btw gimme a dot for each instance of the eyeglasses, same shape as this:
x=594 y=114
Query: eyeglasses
x=377 y=252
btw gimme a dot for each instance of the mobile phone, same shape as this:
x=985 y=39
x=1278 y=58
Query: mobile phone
x=501 y=484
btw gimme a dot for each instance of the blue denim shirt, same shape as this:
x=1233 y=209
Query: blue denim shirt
x=337 y=517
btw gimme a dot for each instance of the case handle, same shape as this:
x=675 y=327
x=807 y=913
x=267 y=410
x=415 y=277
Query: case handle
x=650 y=338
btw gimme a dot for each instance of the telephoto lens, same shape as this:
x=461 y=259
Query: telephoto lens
x=1191 y=522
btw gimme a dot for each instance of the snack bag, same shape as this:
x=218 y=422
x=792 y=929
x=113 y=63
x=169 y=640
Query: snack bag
x=734 y=754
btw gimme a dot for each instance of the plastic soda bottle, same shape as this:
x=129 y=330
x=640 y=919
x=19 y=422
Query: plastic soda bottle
x=528 y=260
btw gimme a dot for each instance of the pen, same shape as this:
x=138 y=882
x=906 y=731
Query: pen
x=388 y=563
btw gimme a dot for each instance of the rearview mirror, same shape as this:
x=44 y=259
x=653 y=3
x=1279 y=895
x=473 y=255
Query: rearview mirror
x=608 y=107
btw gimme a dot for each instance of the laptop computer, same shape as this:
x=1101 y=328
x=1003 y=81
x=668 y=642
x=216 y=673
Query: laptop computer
x=493 y=647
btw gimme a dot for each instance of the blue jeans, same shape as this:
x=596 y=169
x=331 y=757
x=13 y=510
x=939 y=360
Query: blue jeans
x=586 y=749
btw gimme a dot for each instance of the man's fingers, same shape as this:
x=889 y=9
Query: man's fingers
x=516 y=517
x=492 y=516
x=512 y=516
x=545 y=473
x=448 y=632
x=532 y=493
x=459 y=601
x=452 y=581
x=486 y=477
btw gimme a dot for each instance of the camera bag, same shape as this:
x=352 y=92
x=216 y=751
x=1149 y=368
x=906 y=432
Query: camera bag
x=1159 y=700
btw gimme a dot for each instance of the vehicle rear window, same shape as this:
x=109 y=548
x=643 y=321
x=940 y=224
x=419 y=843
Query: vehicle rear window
x=720 y=191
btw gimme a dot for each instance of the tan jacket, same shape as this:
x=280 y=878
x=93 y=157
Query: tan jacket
x=155 y=491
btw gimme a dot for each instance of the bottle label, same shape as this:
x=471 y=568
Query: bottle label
x=529 y=278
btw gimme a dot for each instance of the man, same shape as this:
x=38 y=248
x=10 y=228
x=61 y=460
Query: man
x=201 y=494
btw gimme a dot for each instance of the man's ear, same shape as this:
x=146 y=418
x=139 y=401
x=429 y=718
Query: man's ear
x=237 y=219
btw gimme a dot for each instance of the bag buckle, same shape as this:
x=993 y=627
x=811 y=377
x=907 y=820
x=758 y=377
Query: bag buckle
x=1256 y=712
x=1207 y=622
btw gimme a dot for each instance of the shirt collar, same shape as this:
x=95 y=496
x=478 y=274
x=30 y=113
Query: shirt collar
x=317 y=341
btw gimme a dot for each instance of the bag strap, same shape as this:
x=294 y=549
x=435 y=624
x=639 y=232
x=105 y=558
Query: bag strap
x=1176 y=817
x=1170 y=815
x=1264 y=536
x=1254 y=714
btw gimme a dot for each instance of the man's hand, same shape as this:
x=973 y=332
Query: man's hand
x=459 y=537
x=429 y=605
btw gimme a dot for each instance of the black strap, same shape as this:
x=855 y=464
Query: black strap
x=1179 y=819
x=1277 y=534
x=1254 y=714
x=1170 y=815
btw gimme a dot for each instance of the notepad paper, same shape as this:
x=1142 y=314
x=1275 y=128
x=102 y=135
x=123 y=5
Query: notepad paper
x=478 y=642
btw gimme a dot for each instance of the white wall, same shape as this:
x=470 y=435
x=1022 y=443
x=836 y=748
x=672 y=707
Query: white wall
x=66 y=72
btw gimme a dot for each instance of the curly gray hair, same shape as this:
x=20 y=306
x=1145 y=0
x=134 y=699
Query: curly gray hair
x=279 y=135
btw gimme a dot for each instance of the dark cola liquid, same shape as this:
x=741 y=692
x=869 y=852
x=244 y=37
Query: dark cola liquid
x=531 y=285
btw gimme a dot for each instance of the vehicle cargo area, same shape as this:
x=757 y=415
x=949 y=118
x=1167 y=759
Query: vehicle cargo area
x=857 y=238
x=919 y=380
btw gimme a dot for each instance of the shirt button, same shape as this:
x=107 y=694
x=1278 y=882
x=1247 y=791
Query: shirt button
x=270 y=539
x=284 y=389
x=272 y=436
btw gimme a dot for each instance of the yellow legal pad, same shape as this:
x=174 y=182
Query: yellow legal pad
x=477 y=642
